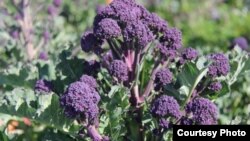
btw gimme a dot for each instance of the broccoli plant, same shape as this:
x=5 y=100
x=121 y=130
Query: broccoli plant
x=141 y=82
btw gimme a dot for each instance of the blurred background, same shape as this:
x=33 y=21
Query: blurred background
x=40 y=29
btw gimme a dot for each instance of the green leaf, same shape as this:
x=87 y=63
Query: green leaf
x=188 y=75
x=189 y=79
x=52 y=135
x=43 y=109
x=46 y=70
x=70 y=67
x=3 y=137
x=22 y=76
x=115 y=109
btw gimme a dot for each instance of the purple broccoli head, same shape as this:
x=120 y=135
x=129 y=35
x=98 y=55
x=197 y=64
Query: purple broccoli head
x=215 y=86
x=163 y=76
x=119 y=70
x=167 y=52
x=107 y=28
x=139 y=33
x=43 y=56
x=165 y=106
x=89 y=80
x=125 y=11
x=203 y=111
x=155 y=23
x=172 y=38
x=80 y=100
x=43 y=85
x=90 y=42
x=189 y=54
x=220 y=65
x=163 y=123
x=241 y=42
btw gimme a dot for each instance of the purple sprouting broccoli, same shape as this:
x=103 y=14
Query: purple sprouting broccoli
x=215 y=86
x=43 y=56
x=80 y=100
x=119 y=70
x=163 y=77
x=241 y=42
x=107 y=28
x=57 y=3
x=165 y=106
x=15 y=34
x=125 y=11
x=89 y=80
x=154 y=22
x=52 y=10
x=186 y=121
x=46 y=36
x=90 y=42
x=43 y=86
x=168 y=53
x=189 y=54
x=203 y=111
x=138 y=32
x=163 y=123
x=220 y=65
x=172 y=38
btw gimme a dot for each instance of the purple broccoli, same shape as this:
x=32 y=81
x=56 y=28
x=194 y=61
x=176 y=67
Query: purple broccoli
x=241 y=42
x=43 y=85
x=80 y=100
x=215 y=86
x=220 y=65
x=203 y=111
x=89 y=80
x=163 y=76
x=119 y=70
x=90 y=42
x=107 y=28
x=165 y=106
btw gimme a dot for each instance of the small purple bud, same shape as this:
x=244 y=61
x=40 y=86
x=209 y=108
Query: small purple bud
x=18 y=17
x=52 y=10
x=43 y=85
x=241 y=42
x=14 y=34
x=43 y=56
x=215 y=86
x=189 y=54
x=57 y=3
x=46 y=36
